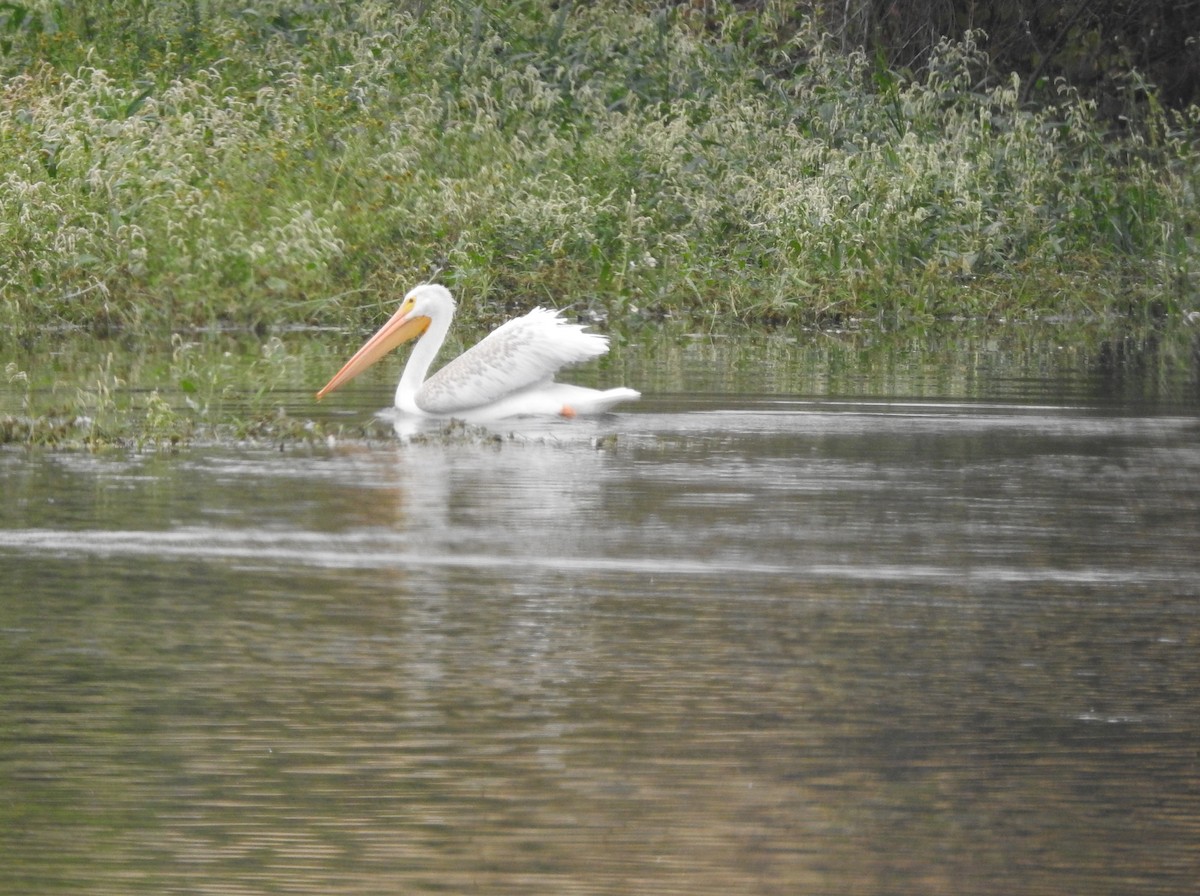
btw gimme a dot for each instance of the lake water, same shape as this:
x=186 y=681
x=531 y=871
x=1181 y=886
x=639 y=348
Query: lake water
x=806 y=620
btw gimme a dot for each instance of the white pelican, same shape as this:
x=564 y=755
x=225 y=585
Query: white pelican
x=510 y=373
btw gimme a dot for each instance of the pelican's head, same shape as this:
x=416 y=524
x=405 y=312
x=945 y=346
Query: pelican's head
x=421 y=306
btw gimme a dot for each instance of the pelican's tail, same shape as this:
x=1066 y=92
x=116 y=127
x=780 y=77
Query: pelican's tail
x=600 y=401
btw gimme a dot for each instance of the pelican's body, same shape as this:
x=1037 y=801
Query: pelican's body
x=510 y=373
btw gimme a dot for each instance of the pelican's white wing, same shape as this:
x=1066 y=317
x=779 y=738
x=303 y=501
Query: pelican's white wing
x=522 y=353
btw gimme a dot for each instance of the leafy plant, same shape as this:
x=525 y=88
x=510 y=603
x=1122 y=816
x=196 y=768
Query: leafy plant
x=304 y=163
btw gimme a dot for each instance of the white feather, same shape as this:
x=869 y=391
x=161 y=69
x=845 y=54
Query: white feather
x=524 y=352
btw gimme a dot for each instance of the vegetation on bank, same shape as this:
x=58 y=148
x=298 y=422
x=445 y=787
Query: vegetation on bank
x=1105 y=48
x=167 y=165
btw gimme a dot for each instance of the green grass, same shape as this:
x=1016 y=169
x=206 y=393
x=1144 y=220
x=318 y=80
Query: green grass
x=167 y=165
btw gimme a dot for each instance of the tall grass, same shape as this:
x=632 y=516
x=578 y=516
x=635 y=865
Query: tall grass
x=169 y=164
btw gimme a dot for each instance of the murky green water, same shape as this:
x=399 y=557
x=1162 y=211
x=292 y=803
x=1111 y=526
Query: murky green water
x=919 y=624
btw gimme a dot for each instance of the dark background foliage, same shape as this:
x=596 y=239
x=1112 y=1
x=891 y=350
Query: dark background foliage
x=1108 y=49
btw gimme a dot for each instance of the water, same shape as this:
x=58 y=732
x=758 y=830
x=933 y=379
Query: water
x=905 y=628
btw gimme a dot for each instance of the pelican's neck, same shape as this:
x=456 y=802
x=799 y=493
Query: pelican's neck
x=423 y=353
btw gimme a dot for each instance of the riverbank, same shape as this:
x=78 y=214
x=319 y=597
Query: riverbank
x=222 y=388
x=175 y=167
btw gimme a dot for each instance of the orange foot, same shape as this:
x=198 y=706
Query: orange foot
x=567 y=411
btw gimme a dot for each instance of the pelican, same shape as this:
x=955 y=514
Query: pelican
x=510 y=373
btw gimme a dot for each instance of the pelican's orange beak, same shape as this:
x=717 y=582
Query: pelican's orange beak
x=398 y=330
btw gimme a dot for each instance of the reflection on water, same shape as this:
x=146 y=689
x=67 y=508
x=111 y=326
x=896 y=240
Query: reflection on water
x=754 y=644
